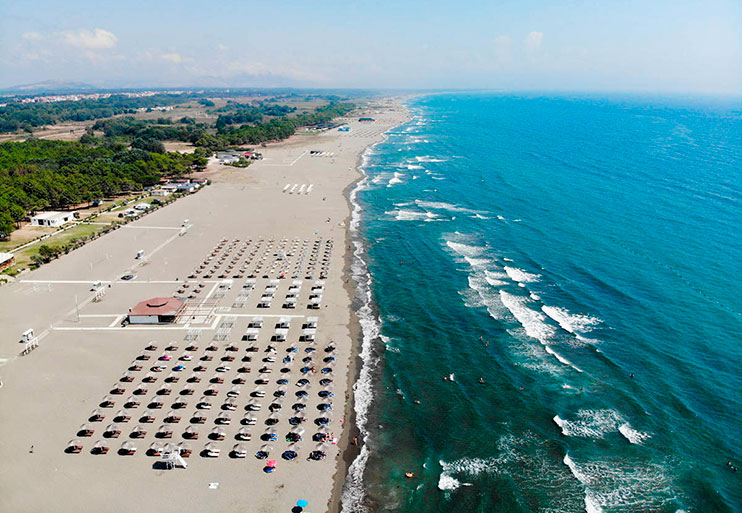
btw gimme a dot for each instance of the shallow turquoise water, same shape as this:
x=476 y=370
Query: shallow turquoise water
x=583 y=239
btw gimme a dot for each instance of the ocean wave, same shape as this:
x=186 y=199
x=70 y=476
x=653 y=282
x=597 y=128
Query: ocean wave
x=441 y=205
x=397 y=178
x=496 y=283
x=571 y=322
x=596 y=424
x=428 y=158
x=623 y=485
x=411 y=215
x=521 y=276
x=448 y=483
x=632 y=435
x=465 y=466
x=495 y=279
x=531 y=320
x=534 y=358
x=472 y=299
x=561 y=358
x=465 y=250
x=478 y=262
x=524 y=460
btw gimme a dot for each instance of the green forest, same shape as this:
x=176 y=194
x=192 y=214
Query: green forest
x=274 y=130
x=37 y=175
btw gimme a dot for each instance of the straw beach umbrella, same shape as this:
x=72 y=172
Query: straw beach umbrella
x=211 y=450
x=100 y=447
x=127 y=448
x=243 y=434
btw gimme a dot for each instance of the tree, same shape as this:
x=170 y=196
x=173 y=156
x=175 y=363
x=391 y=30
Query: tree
x=151 y=145
x=46 y=253
x=6 y=225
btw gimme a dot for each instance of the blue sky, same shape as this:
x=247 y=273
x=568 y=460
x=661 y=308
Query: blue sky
x=648 y=46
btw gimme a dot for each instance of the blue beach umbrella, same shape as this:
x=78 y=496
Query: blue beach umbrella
x=302 y=503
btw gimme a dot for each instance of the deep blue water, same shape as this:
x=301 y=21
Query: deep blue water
x=583 y=239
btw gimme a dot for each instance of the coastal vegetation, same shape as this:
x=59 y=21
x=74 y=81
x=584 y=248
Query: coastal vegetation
x=274 y=130
x=254 y=128
x=37 y=174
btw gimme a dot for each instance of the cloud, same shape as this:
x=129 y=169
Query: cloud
x=533 y=42
x=98 y=39
x=31 y=36
x=172 y=57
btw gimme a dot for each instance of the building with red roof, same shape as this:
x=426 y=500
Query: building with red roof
x=157 y=310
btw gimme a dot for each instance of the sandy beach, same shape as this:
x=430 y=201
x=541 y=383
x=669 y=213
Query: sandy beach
x=277 y=229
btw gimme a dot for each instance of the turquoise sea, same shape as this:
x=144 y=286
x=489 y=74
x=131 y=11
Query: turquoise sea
x=582 y=255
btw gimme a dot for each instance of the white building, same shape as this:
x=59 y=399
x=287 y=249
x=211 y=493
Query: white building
x=51 y=218
x=160 y=192
x=6 y=260
x=187 y=187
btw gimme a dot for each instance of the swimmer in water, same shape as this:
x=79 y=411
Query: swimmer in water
x=481 y=381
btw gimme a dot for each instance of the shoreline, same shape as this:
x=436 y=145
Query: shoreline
x=349 y=452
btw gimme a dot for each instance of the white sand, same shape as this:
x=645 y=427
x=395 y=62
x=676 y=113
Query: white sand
x=48 y=394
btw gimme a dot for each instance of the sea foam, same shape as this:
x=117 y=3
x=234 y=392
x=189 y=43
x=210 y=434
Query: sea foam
x=571 y=322
x=596 y=424
x=521 y=276
x=531 y=320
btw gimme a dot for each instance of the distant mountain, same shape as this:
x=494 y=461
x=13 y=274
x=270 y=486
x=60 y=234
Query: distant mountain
x=48 y=86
